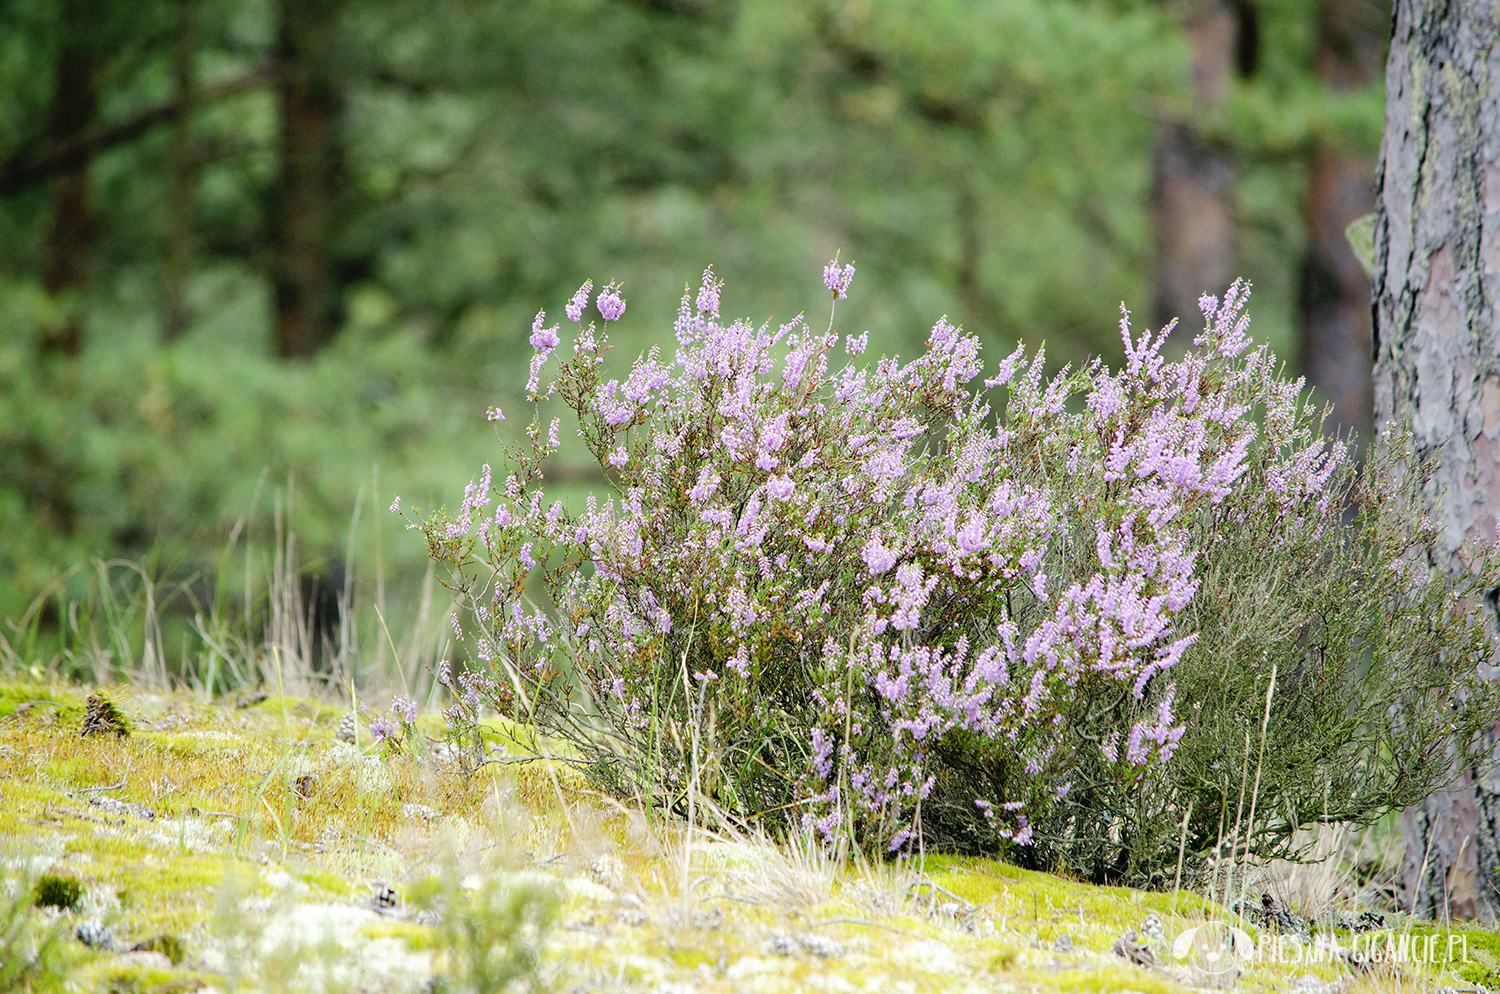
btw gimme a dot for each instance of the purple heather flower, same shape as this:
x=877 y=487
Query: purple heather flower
x=533 y=378
x=708 y=482
x=836 y=278
x=396 y=506
x=780 y=487
x=543 y=339
x=708 y=296
x=611 y=305
x=495 y=414
x=877 y=557
x=384 y=730
x=579 y=302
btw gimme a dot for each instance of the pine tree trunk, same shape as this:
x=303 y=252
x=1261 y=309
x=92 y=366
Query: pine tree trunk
x=311 y=103
x=75 y=99
x=1437 y=357
x=184 y=169
x=1193 y=195
x=1334 y=296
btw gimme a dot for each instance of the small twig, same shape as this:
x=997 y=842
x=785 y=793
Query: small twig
x=942 y=890
x=1181 y=848
x=113 y=786
x=507 y=760
x=20 y=708
x=734 y=897
x=71 y=813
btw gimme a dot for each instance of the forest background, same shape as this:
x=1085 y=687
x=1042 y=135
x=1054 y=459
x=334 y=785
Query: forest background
x=266 y=264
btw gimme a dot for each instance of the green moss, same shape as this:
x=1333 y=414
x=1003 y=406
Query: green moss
x=40 y=700
x=418 y=938
x=167 y=944
x=1107 y=979
x=299 y=708
x=328 y=883
x=198 y=744
x=1472 y=953
x=131 y=978
x=53 y=890
x=1054 y=905
x=1002 y=958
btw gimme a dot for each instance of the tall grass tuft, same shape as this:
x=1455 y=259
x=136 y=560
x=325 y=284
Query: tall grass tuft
x=248 y=626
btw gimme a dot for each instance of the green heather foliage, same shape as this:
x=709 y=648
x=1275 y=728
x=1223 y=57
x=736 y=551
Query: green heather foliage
x=1047 y=616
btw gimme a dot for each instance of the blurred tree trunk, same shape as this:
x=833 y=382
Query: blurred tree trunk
x=1437 y=359
x=184 y=168
x=311 y=103
x=75 y=100
x=1193 y=194
x=1334 y=296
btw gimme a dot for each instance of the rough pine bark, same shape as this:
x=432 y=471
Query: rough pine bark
x=311 y=105
x=1334 y=295
x=1437 y=358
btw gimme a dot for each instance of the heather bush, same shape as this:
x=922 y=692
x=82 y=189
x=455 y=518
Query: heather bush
x=883 y=603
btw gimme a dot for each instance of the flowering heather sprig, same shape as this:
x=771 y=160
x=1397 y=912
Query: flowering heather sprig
x=574 y=308
x=611 y=305
x=398 y=724
x=837 y=278
x=868 y=569
x=543 y=339
x=385 y=730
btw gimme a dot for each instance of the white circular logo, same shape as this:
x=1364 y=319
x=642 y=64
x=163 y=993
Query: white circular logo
x=1216 y=949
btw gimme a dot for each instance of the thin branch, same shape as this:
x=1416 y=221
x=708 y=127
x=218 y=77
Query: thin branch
x=24 y=170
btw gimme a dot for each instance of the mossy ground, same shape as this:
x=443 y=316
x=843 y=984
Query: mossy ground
x=256 y=842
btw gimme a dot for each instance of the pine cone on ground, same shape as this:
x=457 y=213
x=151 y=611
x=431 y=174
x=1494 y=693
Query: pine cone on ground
x=348 y=725
x=101 y=717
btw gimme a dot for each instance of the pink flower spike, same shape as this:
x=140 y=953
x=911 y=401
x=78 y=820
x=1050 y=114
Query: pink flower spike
x=837 y=278
x=495 y=414
x=708 y=296
x=611 y=305
x=579 y=302
x=543 y=339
